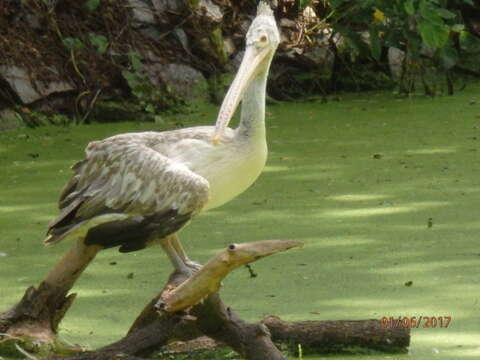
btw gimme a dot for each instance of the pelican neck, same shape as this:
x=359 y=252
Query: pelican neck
x=252 y=118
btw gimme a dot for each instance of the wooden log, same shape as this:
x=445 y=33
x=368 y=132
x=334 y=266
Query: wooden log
x=338 y=336
x=219 y=322
x=251 y=340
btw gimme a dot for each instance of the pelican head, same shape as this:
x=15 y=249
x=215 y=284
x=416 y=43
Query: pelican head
x=262 y=41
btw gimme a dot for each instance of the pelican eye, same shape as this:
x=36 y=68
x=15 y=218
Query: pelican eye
x=231 y=247
x=263 y=39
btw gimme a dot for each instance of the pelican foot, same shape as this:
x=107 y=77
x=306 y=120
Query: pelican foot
x=193 y=266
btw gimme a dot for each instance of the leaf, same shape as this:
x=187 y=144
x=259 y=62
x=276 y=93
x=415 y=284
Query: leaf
x=469 y=2
x=435 y=36
x=99 y=41
x=446 y=14
x=458 y=28
x=135 y=60
x=150 y=108
x=92 y=4
x=432 y=17
x=132 y=79
x=469 y=43
x=409 y=7
x=424 y=7
x=73 y=43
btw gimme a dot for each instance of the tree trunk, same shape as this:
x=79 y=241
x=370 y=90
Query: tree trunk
x=34 y=320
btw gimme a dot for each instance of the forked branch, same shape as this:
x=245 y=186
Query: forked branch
x=208 y=280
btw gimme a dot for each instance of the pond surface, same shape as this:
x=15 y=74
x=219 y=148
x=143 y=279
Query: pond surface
x=385 y=193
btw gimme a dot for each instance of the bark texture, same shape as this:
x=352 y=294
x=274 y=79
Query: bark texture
x=35 y=318
x=338 y=336
x=40 y=311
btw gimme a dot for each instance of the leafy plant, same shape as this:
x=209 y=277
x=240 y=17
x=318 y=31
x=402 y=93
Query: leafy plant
x=73 y=44
x=426 y=30
x=151 y=98
x=100 y=42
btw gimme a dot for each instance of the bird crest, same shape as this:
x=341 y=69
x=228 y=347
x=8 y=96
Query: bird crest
x=264 y=9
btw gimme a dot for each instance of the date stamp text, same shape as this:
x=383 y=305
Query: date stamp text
x=415 y=322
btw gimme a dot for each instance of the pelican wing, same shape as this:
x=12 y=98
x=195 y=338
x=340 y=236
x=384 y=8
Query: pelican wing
x=125 y=189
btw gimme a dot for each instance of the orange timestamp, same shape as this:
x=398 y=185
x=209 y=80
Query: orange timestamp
x=415 y=322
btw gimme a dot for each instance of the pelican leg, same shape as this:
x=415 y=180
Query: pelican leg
x=174 y=257
x=192 y=265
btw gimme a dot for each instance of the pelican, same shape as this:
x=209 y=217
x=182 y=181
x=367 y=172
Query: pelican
x=138 y=189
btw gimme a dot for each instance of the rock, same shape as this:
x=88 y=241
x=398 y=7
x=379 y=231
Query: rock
x=150 y=57
x=396 y=58
x=209 y=10
x=284 y=22
x=228 y=46
x=184 y=80
x=323 y=58
x=151 y=32
x=294 y=52
x=142 y=12
x=182 y=38
x=29 y=90
x=10 y=120
x=163 y=7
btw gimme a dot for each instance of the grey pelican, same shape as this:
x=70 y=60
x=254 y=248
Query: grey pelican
x=137 y=189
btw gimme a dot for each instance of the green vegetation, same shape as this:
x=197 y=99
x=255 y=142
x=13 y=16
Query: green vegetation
x=434 y=35
x=383 y=191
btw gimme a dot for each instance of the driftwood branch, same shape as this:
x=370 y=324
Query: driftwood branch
x=35 y=318
x=191 y=308
x=154 y=329
x=214 y=319
x=208 y=280
x=210 y=317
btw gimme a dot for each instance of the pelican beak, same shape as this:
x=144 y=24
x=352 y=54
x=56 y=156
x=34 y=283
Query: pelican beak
x=249 y=68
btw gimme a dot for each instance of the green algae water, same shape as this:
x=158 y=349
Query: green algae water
x=384 y=192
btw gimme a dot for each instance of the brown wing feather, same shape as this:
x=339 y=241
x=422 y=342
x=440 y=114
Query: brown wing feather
x=126 y=176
